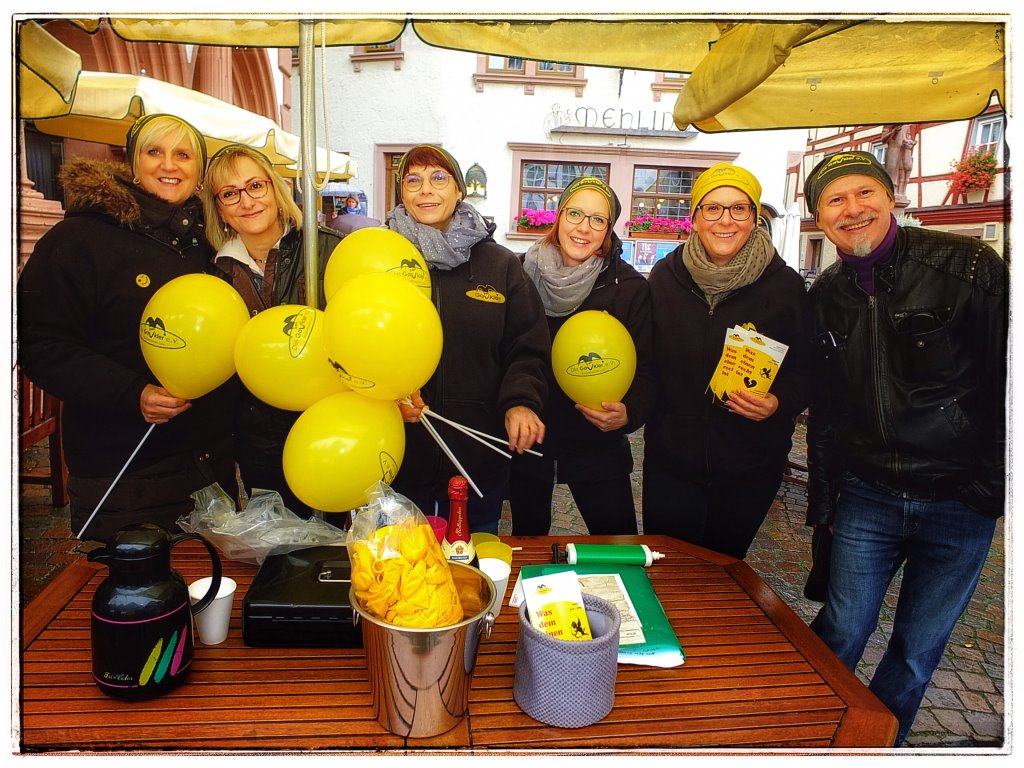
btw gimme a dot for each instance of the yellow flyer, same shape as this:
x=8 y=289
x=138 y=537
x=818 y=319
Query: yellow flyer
x=755 y=361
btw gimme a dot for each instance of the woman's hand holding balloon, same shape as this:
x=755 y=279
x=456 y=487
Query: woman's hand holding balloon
x=612 y=417
x=159 y=406
x=524 y=428
x=752 y=406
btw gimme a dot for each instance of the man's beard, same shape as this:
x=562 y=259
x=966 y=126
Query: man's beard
x=861 y=246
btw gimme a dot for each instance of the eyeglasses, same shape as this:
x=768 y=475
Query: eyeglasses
x=714 y=211
x=438 y=180
x=255 y=189
x=575 y=216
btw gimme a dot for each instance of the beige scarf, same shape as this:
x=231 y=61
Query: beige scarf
x=743 y=268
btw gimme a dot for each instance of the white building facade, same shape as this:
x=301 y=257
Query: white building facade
x=529 y=128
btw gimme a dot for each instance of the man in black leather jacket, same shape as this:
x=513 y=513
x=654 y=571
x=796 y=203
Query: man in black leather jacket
x=906 y=435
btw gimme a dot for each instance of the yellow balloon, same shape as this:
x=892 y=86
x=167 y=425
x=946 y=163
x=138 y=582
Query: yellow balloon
x=188 y=333
x=281 y=358
x=340 y=447
x=383 y=335
x=593 y=358
x=375 y=249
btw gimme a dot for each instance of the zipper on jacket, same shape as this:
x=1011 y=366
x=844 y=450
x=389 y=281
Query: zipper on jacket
x=877 y=375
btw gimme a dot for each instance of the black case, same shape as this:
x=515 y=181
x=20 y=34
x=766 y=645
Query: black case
x=301 y=598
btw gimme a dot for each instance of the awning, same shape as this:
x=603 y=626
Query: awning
x=106 y=104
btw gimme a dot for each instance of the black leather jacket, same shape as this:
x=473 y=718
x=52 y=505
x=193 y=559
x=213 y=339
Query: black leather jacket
x=910 y=383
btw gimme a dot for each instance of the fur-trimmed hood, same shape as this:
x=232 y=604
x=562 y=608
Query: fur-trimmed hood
x=100 y=186
x=104 y=188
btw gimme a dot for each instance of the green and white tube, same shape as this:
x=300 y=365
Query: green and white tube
x=616 y=554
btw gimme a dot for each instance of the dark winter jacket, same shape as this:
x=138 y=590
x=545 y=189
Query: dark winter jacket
x=496 y=347
x=81 y=298
x=260 y=426
x=910 y=383
x=581 y=450
x=689 y=431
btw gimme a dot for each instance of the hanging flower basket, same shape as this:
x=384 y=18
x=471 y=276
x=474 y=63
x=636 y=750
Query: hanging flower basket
x=975 y=172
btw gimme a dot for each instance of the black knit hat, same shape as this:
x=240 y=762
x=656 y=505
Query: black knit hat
x=132 y=138
x=843 y=164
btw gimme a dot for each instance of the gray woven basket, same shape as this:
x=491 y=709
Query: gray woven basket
x=568 y=683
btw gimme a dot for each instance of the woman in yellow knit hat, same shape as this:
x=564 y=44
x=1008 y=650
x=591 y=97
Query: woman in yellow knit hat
x=712 y=465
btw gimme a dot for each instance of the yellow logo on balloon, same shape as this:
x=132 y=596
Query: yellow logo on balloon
x=299 y=330
x=592 y=364
x=153 y=332
x=353 y=382
x=486 y=293
x=388 y=467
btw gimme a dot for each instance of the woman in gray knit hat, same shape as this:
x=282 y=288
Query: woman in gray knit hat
x=496 y=342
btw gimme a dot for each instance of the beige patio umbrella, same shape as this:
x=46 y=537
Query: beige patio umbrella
x=47 y=73
x=106 y=104
x=749 y=72
x=818 y=73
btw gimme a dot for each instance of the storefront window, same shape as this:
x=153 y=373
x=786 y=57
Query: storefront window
x=543 y=182
x=662 y=192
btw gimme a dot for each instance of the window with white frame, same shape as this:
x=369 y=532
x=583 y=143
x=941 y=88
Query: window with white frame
x=988 y=134
x=663 y=193
x=542 y=181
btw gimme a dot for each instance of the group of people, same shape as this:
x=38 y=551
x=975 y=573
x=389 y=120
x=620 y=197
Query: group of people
x=898 y=351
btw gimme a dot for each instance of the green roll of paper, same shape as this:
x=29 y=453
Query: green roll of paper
x=617 y=554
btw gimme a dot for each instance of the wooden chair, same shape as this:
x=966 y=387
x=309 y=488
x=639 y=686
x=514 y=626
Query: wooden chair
x=40 y=418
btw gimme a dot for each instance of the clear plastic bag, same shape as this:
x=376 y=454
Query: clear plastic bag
x=399 y=573
x=249 y=534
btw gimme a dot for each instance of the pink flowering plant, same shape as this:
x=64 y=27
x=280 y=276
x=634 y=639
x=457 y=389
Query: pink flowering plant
x=648 y=222
x=975 y=172
x=536 y=219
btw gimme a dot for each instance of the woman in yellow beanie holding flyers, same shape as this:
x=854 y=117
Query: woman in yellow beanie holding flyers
x=713 y=464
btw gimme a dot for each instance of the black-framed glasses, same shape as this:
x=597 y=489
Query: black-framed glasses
x=438 y=180
x=255 y=189
x=576 y=216
x=738 y=211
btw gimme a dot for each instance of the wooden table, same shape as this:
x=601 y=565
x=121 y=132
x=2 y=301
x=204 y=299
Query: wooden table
x=755 y=677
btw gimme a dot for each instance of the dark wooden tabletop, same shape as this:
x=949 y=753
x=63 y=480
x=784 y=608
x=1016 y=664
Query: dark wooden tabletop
x=755 y=677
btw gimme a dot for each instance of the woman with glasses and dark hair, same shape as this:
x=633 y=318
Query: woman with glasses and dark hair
x=256 y=228
x=496 y=343
x=578 y=267
x=712 y=466
x=129 y=230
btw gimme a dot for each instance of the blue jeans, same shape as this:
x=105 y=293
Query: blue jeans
x=942 y=547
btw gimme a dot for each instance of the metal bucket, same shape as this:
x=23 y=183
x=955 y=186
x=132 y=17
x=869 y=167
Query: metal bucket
x=420 y=678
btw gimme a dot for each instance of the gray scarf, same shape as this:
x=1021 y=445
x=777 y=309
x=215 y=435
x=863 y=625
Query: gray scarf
x=743 y=269
x=443 y=250
x=562 y=289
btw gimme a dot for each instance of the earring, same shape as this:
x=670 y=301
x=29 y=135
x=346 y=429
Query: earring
x=199 y=187
x=136 y=180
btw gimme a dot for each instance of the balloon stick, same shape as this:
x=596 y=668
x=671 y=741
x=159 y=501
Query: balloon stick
x=450 y=455
x=470 y=431
x=100 y=504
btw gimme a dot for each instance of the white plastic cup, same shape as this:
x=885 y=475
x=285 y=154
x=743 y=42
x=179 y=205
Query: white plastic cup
x=497 y=571
x=213 y=620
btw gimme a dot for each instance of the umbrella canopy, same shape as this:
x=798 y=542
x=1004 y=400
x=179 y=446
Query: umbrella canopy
x=47 y=73
x=106 y=104
x=749 y=73
x=780 y=75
